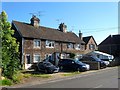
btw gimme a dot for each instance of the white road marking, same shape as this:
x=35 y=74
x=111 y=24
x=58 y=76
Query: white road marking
x=96 y=87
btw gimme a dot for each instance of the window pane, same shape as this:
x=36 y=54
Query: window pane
x=50 y=44
x=36 y=43
x=70 y=45
x=36 y=58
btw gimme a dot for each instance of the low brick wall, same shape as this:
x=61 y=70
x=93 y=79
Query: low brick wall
x=93 y=65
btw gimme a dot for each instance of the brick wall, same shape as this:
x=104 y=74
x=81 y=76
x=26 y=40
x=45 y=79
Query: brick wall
x=87 y=49
x=29 y=48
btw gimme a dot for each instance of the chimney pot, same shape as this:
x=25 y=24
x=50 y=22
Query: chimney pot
x=35 y=21
x=63 y=27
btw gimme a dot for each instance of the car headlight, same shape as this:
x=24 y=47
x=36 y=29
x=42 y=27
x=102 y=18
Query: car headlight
x=84 y=66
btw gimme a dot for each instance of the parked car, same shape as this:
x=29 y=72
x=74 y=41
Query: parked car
x=46 y=67
x=103 y=64
x=73 y=64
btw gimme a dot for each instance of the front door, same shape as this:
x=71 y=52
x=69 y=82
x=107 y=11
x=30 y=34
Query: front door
x=27 y=61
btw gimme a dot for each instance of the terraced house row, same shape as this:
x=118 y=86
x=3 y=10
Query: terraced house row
x=38 y=42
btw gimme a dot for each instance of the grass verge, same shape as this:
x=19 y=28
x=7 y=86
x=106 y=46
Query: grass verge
x=42 y=75
x=70 y=73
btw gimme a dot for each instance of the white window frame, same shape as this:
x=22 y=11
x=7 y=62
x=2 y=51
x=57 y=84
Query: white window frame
x=91 y=46
x=48 y=42
x=35 y=61
x=37 y=46
x=77 y=47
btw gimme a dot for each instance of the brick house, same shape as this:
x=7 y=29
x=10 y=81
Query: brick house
x=111 y=45
x=38 y=42
x=90 y=44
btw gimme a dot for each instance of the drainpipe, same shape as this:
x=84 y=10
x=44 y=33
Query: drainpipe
x=23 y=54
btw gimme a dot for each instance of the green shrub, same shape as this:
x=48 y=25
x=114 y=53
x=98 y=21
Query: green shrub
x=27 y=75
x=6 y=82
x=0 y=82
x=17 y=77
x=72 y=55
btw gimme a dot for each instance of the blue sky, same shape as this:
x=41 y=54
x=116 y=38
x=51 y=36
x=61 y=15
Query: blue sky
x=99 y=19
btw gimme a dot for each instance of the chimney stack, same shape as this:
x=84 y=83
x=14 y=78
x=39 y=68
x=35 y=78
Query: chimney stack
x=80 y=35
x=35 y=21
x=63 y=27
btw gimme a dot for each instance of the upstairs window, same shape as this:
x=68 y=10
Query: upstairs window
x=77 y=46
x=91 y=46
x=70 y=46
x=50 y=44
x=37 y=43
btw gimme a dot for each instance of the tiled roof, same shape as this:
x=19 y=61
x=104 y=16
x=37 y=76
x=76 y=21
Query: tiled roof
x=29 y=31
x=86 y=39
x=111 y=39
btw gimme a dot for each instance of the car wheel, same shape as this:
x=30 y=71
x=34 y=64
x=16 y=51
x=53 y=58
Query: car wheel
x=78 y=69
x=36 y=68
x=51 y=71
x=61 y=67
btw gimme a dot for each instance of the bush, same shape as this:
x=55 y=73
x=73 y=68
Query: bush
x=17 y=77
x=72 y=55
x=6 y=82
x=27 y=75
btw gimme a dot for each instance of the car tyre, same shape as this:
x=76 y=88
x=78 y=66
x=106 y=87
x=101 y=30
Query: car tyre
x=78 y=69
x=51 y=71
x=61 y=67
x=36 y=68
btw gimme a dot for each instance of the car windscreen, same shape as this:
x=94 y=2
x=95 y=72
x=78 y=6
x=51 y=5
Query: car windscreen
x=97 y=59
x=78 y=62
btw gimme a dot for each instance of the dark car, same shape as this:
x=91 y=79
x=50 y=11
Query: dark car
x=95 y=59
x=73 y=64
x=46 y=67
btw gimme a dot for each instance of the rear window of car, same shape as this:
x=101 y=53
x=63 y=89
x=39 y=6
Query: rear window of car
x=48 y=64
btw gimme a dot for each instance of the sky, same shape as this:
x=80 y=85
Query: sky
x=99 y=19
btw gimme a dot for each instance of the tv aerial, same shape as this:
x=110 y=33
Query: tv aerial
x=72 y=28
x=38 y=14
x=58 y=21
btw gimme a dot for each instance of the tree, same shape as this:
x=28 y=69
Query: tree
x=10 y=48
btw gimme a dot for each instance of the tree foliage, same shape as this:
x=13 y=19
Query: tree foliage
x=10 y=53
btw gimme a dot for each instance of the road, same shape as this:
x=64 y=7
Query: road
x=107 y=78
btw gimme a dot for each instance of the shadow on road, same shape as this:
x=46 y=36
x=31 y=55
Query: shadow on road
x=32 y=72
